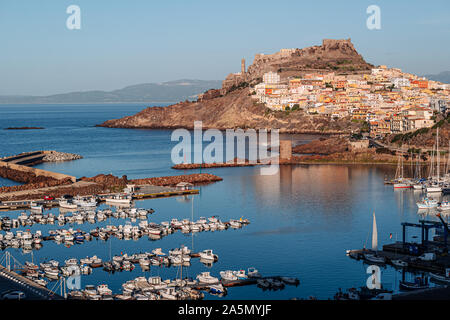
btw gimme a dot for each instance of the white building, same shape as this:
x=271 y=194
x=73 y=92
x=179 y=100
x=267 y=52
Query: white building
x=271 y=78
x=400 y=82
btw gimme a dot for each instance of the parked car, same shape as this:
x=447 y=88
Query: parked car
x=48 y=198
x=13 y=295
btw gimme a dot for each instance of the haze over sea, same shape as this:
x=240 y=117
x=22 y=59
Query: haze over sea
x=302 y=220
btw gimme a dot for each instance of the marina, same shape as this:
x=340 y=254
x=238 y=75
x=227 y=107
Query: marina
x=312 y=210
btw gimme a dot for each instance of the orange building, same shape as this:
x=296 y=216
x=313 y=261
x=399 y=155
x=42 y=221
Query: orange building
x=422 y=84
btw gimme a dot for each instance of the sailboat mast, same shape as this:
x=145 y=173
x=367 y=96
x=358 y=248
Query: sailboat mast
x=437 y=154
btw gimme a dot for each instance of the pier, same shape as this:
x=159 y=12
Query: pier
x=12 y=281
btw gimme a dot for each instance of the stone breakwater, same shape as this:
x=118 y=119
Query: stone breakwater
x=29 y=178
x=195 y=179
x=99 y=184
x=55 y=156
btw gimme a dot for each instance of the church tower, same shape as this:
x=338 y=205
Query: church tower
x=243 y=67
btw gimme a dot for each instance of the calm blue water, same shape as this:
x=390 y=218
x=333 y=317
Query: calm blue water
x=302 y=219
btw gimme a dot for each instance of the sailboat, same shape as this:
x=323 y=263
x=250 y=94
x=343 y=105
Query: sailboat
x=374 y=257
x=417 y=175
x=400 y=182
x=435 y=185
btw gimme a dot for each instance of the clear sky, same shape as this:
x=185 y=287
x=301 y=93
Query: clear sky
x=122 y=42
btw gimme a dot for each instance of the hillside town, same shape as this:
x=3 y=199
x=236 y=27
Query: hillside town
x=386 y=99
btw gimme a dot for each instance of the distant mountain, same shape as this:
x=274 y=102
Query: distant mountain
x=443 y=77
x=165 y=92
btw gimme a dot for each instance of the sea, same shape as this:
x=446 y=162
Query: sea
x=302 y=219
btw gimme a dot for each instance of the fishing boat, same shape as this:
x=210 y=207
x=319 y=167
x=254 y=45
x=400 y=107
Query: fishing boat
x=427 y=203
x=121 y=199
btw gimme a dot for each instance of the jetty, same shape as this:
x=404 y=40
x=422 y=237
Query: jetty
x=12 y=281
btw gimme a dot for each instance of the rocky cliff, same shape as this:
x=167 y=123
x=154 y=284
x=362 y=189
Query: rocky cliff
x=234 y=110
x=232 y=107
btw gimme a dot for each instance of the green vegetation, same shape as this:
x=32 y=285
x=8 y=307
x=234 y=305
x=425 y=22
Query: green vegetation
x=295 y=107
x=409 y=135
x=239 y=86
x=365 y=127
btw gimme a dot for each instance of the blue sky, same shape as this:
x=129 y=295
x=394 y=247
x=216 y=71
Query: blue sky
x=128 y=42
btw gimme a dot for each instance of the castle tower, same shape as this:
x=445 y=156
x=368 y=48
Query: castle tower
x=243 y=67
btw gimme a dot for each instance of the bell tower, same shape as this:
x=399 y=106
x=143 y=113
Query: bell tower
x=243 y=67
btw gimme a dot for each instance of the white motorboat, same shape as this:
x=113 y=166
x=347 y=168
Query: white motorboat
x=36 y=207
x=103 y=290
x=240 y=274
x=235 y=224
x=168 y=294
x=158 y=252
x=154 y=231
x=444 y=206
x=51 y=272
x=144 y=262
x=88 y=203
x=122 y=199
x=228 y=275
x=67 y=205
x=90 y=290
x=418 y=186
x=427 y=203
x=208 y=255
x=71 y=262
x=205 y=277
x=433 y=189
x=176 y=259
